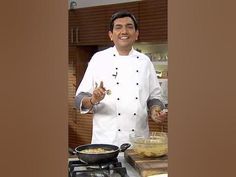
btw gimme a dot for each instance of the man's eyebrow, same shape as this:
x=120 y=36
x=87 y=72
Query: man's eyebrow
x=128 y=24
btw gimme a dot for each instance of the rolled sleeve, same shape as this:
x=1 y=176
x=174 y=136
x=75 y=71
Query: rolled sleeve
x=78 y=102
x=156 y=102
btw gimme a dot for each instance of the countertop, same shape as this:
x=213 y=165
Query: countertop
x=130 y=170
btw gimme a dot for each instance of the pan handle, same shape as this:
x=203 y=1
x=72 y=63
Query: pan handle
x=71 y=151
x=124 y=146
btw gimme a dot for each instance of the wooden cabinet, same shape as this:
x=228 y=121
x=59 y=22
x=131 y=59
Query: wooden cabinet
x=73 y=29
x=90 y=26
x=153 y=21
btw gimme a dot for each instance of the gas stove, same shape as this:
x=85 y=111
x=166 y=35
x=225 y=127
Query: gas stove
x=114 y=168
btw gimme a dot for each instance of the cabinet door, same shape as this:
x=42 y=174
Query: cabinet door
x=92 y=26
x=73 y=28
x=153 y=21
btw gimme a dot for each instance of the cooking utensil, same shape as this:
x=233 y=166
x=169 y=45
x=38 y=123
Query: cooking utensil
x=109 y=154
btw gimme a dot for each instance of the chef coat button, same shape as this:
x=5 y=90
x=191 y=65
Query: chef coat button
x=136 y=83
x=114 y=55
x=118 y=98
x=136 y=98
x=116 y=68
x=117 y=83
x=134 y=114
x=118 y=114
x=119 y=130
x=137 y=71
x=137 y=56
x=132 y=130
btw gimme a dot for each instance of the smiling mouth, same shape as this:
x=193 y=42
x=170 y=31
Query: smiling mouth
x=124 y=38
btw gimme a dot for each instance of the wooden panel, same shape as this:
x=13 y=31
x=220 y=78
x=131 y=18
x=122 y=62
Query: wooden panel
x=80 y=126
x=153 y=21
x=80 y=129
x=85 y=53
x=92 y=26
x=71 y=93
x=73 y=27
x=153 y=126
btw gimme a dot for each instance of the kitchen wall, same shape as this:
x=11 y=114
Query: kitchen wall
x=86 y=3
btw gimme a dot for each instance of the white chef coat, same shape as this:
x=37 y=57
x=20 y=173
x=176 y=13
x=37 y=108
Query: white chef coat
x=164 y=91
x=132 y=81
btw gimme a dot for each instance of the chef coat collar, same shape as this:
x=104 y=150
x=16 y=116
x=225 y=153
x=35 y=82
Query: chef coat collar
x=116 y=53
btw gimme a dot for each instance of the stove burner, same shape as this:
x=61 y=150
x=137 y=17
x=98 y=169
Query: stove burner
x=109 y=169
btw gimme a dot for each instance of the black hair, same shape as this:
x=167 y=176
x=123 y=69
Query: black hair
x=121 y=14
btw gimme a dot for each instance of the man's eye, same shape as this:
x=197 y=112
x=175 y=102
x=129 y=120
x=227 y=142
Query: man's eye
x=117 y=27
x=130 y=26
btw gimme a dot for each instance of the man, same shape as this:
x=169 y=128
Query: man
x=120 y=86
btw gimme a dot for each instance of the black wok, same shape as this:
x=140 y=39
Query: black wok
x=91 y=158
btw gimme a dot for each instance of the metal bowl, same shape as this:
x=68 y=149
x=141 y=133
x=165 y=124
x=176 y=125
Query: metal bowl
x=155 y=145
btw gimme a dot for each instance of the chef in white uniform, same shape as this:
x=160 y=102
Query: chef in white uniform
x=120 y=87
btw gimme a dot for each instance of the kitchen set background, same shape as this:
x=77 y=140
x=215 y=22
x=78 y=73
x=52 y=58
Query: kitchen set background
x=84 y=42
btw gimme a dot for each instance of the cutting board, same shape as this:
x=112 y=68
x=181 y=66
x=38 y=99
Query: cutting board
x=146 y=166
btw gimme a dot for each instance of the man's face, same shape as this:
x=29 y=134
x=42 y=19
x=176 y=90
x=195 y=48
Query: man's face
x=123 y=34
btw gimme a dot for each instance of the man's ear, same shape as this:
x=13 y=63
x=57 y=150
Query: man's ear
x=137 y=34
x=110 y=35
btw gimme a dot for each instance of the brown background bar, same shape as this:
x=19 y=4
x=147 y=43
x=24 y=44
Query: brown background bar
x=33 y=94
x=202 y=99
x=33 y=72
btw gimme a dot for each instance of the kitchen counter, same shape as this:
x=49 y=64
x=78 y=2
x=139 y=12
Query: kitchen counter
x=130 y=170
